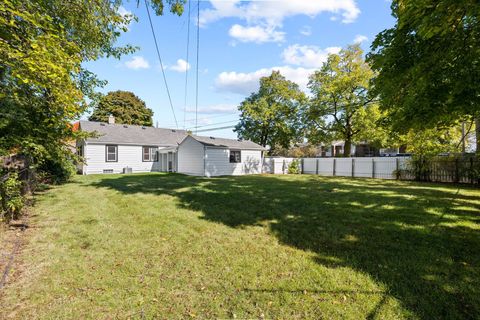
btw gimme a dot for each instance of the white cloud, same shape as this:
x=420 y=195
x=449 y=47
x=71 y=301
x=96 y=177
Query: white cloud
x=269 y=15
x=217 y=108
x=257 y=34
x=360 y=38
x=137 y=62
x=180 y=66
x=307 y=56
x=306 y=31
x=126 y=14
x=246 y=83
x=274 y=12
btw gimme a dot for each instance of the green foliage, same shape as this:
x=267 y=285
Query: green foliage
x=428 y=64
x=11 y=198
x=57 y=170
x=271 y=116
x=431 y=142
x=341 y=107
x=43 y=84
x=125 y=106
x=294 y=167
x=301 y=151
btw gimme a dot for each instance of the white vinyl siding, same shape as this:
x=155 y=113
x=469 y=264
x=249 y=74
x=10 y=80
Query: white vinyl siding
x=127 y=156
x=191 y=157
x=217 y=162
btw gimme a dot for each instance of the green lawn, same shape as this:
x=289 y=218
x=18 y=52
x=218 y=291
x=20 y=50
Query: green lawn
x=172 y=246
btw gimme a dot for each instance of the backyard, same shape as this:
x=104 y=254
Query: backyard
x=299 y=246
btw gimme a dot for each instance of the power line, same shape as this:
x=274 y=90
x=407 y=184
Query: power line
x=213 y=117
x=198 y=50
x=206 y=119
x=186 y=65
x=215 y=124
x=215 y=129
x=161 y=64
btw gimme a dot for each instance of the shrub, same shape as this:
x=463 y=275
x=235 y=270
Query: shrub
x=294 y=167
x=420 y=167
x=11 y=197
x=57 y=170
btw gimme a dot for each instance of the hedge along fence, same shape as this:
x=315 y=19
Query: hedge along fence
x=438 y=169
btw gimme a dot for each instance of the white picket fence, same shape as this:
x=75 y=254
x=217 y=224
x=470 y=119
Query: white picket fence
x=371 y=167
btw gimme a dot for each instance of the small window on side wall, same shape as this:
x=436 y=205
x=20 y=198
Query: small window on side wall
x=111 y=153
x=235 y=156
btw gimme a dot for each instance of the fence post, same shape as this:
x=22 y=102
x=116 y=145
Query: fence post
x=316 y=165
x=301 y=163
x=373 y=167
x=397 y=168
x=471 y=170
x=334 y=165
x=353 y=167
x=457 y=175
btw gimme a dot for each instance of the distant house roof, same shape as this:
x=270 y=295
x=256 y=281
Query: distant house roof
x=228 y=143
x=130 y=134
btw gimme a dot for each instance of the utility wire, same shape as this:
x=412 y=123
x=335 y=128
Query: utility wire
x=213 y=117
x=215 y=129
x=192 y=120
x=214 y=124
x=198 y=50
x=161 y=64
x=186 y=66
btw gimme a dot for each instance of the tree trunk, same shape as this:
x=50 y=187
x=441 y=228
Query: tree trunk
x=347 y=149
x=477 y=134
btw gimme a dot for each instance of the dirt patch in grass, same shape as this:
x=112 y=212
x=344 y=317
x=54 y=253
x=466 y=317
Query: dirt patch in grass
x=13 y=237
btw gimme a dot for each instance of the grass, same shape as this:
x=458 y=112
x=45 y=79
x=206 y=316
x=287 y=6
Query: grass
x=172 y=246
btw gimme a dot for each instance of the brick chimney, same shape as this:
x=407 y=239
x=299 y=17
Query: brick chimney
x=111 y=119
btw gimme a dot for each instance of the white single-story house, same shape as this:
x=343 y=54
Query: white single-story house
x=119 y=148
x=210 y=156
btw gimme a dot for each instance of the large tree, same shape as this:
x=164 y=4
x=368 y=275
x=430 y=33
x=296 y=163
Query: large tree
x=429 y=64
x=125 y=106
x=271 y=116
x=341 y=107
x=43 y=84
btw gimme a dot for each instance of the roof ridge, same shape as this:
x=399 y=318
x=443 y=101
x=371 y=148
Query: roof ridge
x=130 y=125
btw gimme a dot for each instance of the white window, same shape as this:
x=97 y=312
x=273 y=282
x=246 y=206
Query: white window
x=111 y=153
x=149 y=154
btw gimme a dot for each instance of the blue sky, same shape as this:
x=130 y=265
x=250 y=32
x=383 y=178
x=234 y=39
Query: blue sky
x=240 y=41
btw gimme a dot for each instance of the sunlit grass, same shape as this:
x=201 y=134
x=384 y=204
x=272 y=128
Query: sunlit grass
x=172 y=246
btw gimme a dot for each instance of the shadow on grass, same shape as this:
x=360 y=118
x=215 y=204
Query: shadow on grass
x=417 y=239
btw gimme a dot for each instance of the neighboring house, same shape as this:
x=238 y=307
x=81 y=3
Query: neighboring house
x=210 y=156
x=119 y=148
x=336 y=149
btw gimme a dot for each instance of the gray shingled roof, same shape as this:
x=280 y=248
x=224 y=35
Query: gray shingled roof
x=128 y=134
x=228 y=143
